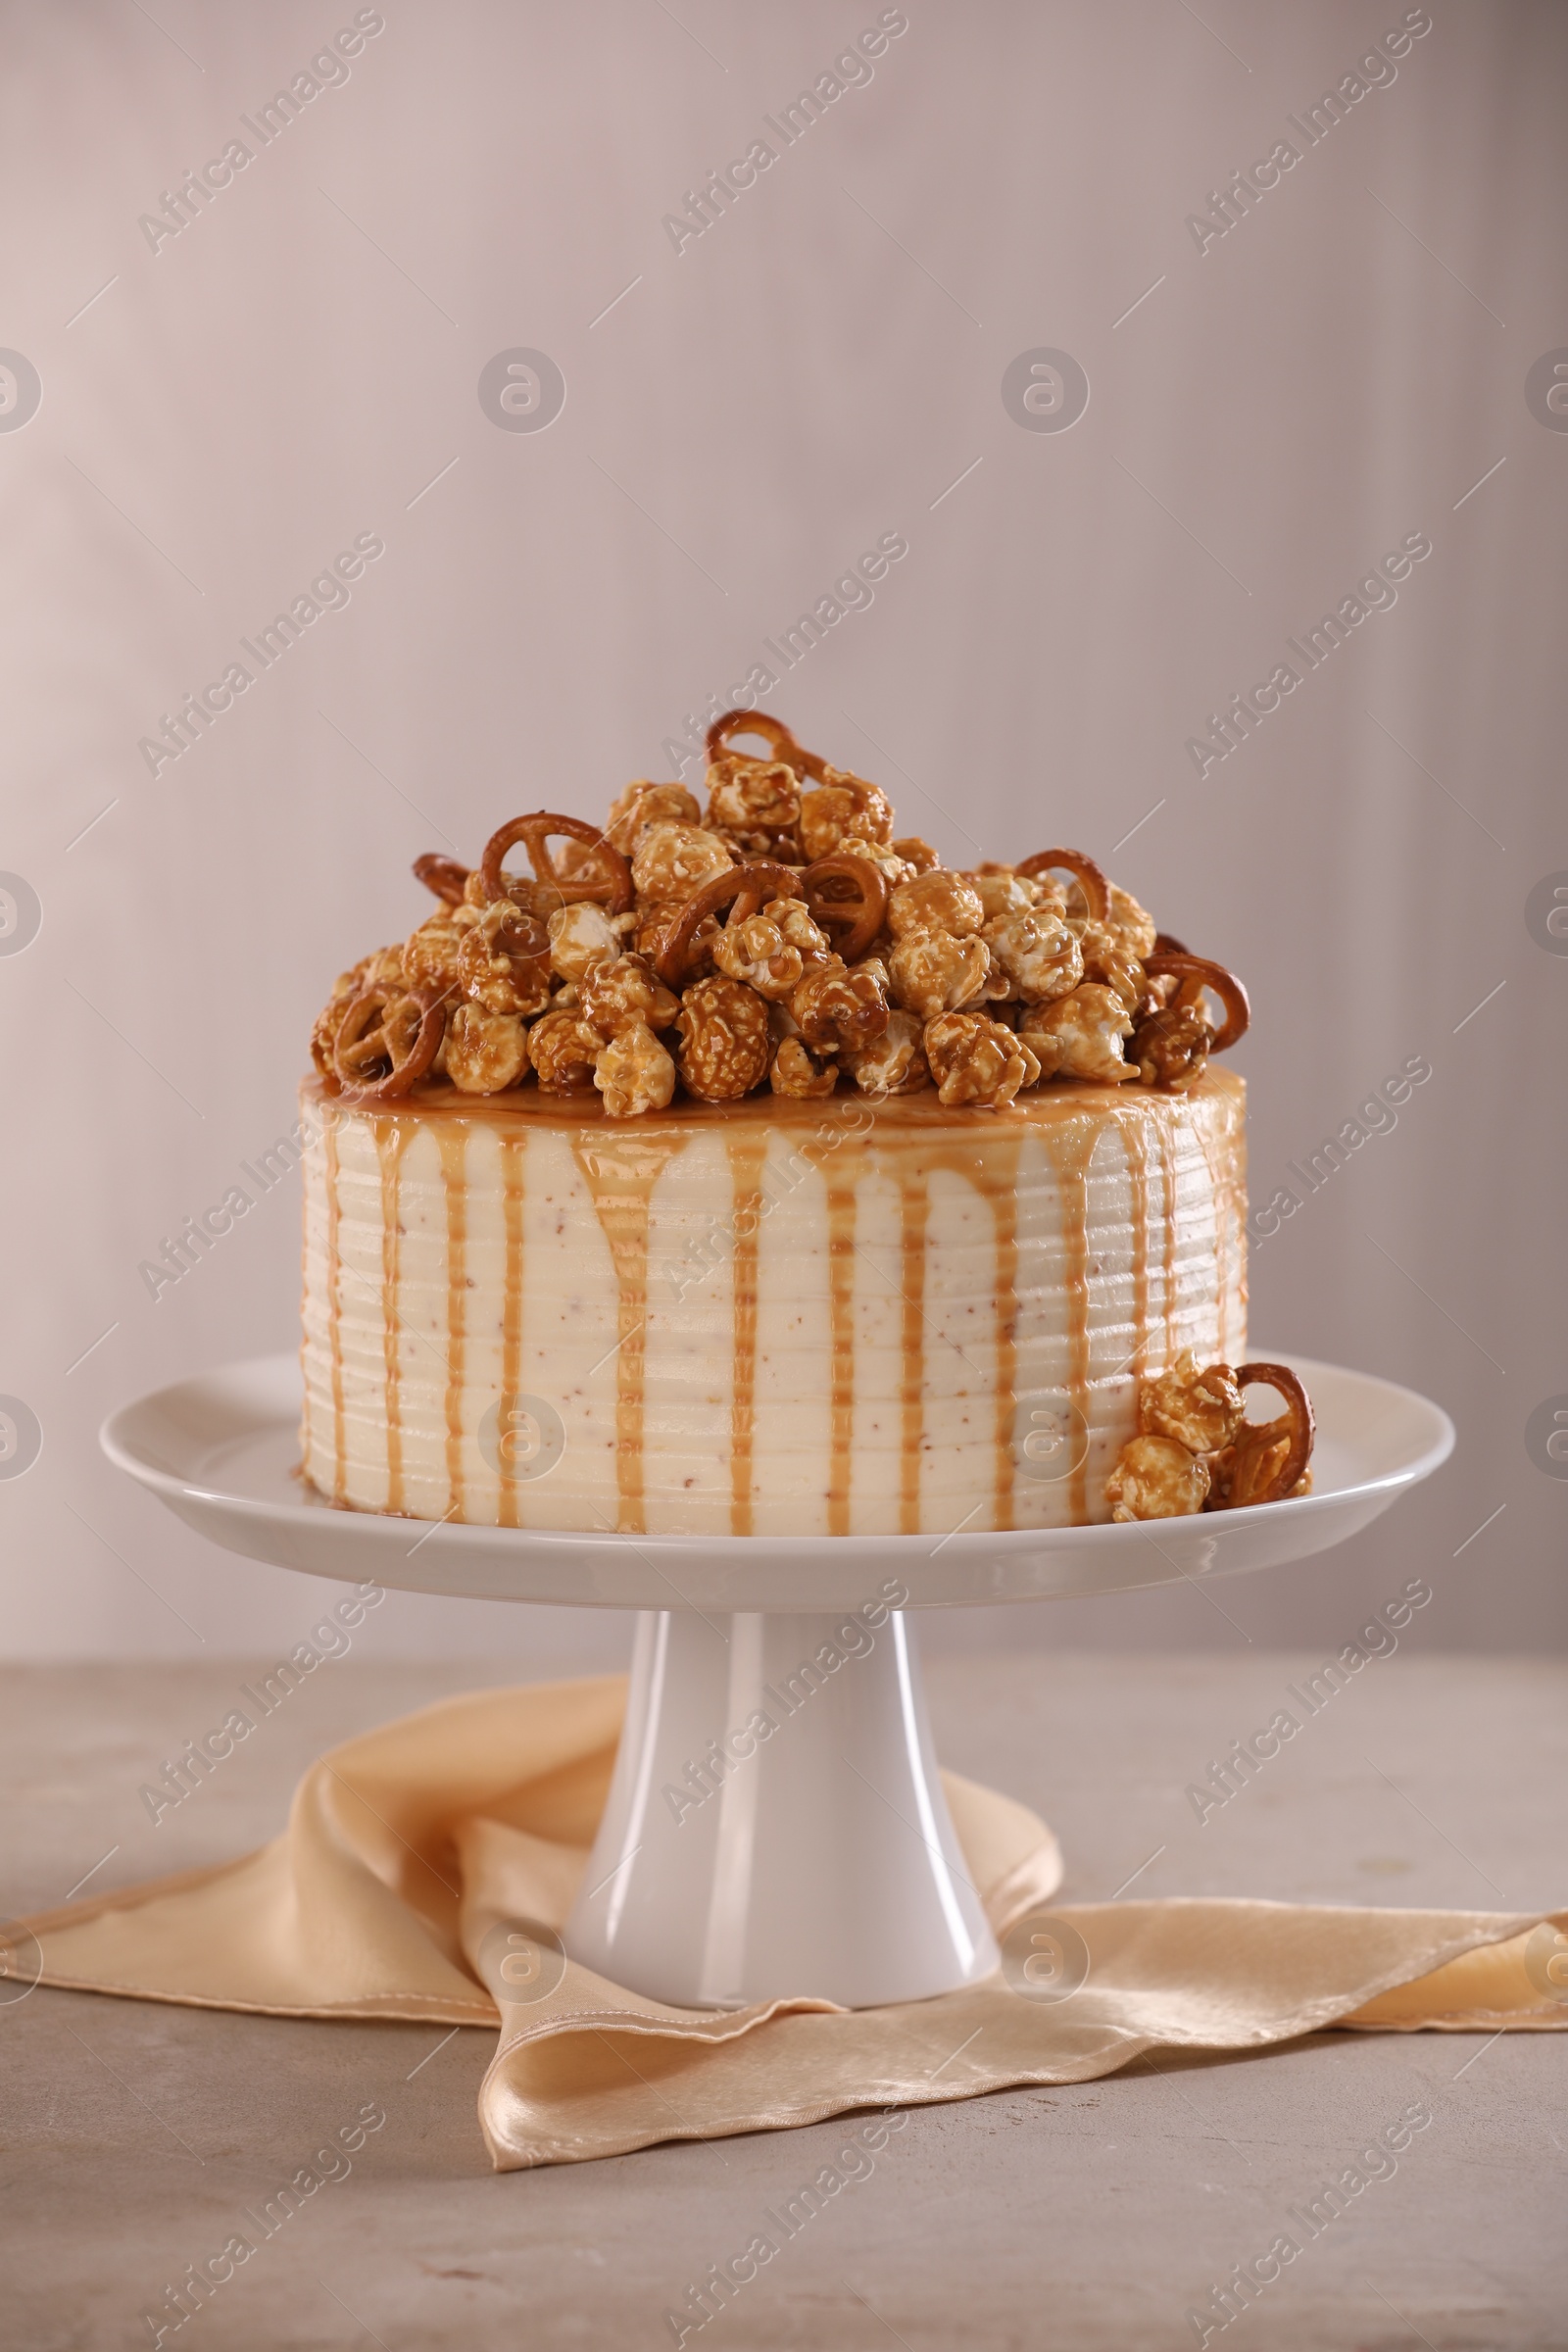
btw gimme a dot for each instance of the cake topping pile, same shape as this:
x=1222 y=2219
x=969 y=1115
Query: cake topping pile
x=783 y=935
x=1196 y=1450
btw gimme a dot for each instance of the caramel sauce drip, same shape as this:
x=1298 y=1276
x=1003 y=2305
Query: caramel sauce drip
x=1134 y=1136
x=334 y=1315
x=1072 y=1148
x=1168 y=1167
x=621 y=1170
x=391 y=1141
x=915 y=1203
x=841 y=1312
x=747 y=1155
x=454 y=1147
x=1005 y=1209
x=514 y=1149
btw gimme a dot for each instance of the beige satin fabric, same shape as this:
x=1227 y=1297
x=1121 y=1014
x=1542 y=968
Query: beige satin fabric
x=406 y=1846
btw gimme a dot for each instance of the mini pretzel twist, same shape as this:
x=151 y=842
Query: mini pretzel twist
x=388 y=1038
x=1195 y=973
x=1255 y=1438
x=852 y=921
x=744 y=890
x=444 y=875
x=612 y=889
x=1089 y=877
x=773 y=730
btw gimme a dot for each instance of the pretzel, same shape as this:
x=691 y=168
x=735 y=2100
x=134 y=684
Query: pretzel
x=1165 y=944
x=1254 y=1438
x=1089 y=878
x=1195 y=973
x=852 y=922
x=444 y=875
x=396 y=1025
x=744 y=890
x=773 y=732
x=613 y=891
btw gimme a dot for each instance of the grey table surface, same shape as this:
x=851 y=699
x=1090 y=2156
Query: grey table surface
x=1093 y=2216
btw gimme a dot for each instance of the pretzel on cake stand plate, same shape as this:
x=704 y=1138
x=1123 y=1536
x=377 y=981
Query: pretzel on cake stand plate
x=1268 y=1458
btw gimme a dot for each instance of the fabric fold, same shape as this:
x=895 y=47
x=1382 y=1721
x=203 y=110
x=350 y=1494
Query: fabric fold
x=412 y=1849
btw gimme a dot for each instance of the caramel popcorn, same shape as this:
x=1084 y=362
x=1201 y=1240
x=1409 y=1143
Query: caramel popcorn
x=840 y=806
x=935 y=901
x=876 y=967
x=483 y=1051
x=1201 y=1410
x=841 y=1005
x=1157 y=1478
x=566 y=1050
x=581 y=934
x=1036 y=952
x=726 y=1047
x=674 y=860
x=796 y=1072
x=892 y=1063
x=642 y=805
x=753 y=796
x=932 y=973
x=634 y=1073
x=977 y=1061
x=1079 y=1035
x=617 y=994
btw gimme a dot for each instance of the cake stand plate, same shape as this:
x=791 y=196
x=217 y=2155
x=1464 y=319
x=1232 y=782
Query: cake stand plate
x=776 y=1822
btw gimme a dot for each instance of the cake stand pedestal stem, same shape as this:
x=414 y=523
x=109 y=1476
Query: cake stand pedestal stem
x=776 y=1822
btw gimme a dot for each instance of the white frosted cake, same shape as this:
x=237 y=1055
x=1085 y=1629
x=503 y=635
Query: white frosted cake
x=751 y=1173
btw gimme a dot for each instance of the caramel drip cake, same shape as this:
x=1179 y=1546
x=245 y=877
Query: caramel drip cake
x=741 y=1170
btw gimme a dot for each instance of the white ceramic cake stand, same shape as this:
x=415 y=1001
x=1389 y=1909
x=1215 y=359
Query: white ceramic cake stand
x=735 y=1863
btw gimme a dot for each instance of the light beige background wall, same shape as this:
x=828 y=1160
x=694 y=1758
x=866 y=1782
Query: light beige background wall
x=1267 y=417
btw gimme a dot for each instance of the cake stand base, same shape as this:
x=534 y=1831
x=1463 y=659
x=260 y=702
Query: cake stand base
x=776 y=1823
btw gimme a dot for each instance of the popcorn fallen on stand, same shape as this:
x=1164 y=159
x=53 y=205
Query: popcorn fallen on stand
x=1196 y=1450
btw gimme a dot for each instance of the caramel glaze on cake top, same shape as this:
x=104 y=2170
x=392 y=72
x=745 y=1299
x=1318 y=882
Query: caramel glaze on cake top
x=911 y=1137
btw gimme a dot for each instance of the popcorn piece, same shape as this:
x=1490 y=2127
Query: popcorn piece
x=430 y=954
x=634 y=1073
x=1133 y=931
x=895 y=1063
x=880 y=854
x=1155 y=1478
x=1079 y=1035
x=618 y=994
x=1107 y=963
x=931 y=973
x=1171 y=1048
x=581 y=934
x=725 y=1045
x=565 y=1049
x=642 y=805
x=1036 y=952
x=753 y=796
x=918 y=853
x=757 y=952
x=977 y=1061
x=1201 y=1411
x=484 y=1052
x=1002 y=892
x=674 y=860
x=798 y=1074
x=503 y=961
x=936 y=902
x=841 y=806
x=840 y=1007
